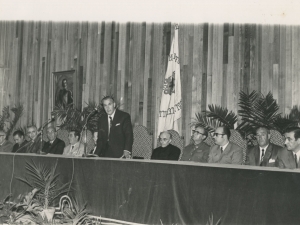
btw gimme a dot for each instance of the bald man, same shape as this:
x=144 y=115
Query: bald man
x=166 y=151
x=54 y=145
x=35 y=145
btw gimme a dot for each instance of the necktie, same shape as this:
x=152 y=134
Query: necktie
x=296 y=161
x=262 y=156
x=221 y=150
x=110 y=123
x=72 y=147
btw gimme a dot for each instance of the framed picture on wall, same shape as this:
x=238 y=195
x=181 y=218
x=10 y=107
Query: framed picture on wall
x=65 y=89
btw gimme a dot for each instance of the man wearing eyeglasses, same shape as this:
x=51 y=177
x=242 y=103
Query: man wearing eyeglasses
x=166 y=151
x=265 y=153
x=197 y=151
x=225 y=152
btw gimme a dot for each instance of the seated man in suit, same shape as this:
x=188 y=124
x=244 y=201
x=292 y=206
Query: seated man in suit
x=5 y=145
x=54 y=145
x=290 y=159
x=166 y=151
x=199 y=150
x=265 y=153
x=95 y=138
x=75 y=148
x=21 y=142
x=36 y=143
x=225 y=152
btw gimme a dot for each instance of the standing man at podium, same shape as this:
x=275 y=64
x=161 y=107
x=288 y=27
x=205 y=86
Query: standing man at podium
x=115 y=135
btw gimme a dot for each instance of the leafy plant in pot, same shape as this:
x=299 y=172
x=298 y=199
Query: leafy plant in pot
x=45 y=180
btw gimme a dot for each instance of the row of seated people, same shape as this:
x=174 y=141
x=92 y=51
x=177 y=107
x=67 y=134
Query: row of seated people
x=223 y=152
x=265 y=154
x=35 y=145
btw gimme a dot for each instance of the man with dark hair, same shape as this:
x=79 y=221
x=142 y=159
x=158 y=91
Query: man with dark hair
x=21 y=142
x=75 y=148
x=166 y=151
x=65 y=96
x=54 y=145
x=290 y=159
x=197 y=151
x=36 y=143
x=265 y=153
x=224 y=151
x=5 y=145
x=115 y=135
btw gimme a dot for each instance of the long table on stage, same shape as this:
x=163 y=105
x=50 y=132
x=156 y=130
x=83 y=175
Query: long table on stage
x=152 y=192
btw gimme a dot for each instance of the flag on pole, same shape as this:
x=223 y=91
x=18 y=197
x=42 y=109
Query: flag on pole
x=170 y=105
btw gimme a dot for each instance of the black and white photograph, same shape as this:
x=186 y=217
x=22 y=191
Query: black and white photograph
x=150 y=112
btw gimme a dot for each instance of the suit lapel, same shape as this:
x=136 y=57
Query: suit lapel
x=54 y=143
x=256 y=155
x=227 y=149
x=115 y=120
x=268 y=155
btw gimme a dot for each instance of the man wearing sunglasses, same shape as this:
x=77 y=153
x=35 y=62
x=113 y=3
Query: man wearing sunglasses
x=265 y=153
x=197 y=151
x=225 y=152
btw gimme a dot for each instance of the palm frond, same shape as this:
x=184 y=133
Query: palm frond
x=222 y=115
x=74 y=119
x=46 y=180
x=257 y=110
x=282 y=123
x=294 y=114
x=208 y=123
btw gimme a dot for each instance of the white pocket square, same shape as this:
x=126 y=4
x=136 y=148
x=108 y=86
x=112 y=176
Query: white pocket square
x=117 y=124
x=271 y=160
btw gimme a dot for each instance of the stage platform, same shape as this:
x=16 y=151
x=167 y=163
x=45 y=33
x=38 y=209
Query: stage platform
x=151 y=192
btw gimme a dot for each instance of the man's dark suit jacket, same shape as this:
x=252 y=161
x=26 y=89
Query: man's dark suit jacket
x=57 y=147
x=22 y=148
x=270 y=158
x=286 y=159
x=35 y=146
x=120 y=136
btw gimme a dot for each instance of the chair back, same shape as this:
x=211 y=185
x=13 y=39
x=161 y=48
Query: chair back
x=277 y=138
x=237 y=139
x=142 y=142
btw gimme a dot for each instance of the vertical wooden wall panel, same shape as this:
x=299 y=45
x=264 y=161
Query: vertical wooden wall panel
x=265 y=61
x=209 y=64
x=197 y=70
x=282 y=65
x=236 y=67
x=147 y=65
x=288 y=70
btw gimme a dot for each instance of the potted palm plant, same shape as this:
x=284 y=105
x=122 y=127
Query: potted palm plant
x=45 y=180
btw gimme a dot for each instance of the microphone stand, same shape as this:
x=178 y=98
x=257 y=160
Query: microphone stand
x=41 y=132
x=84 y=131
